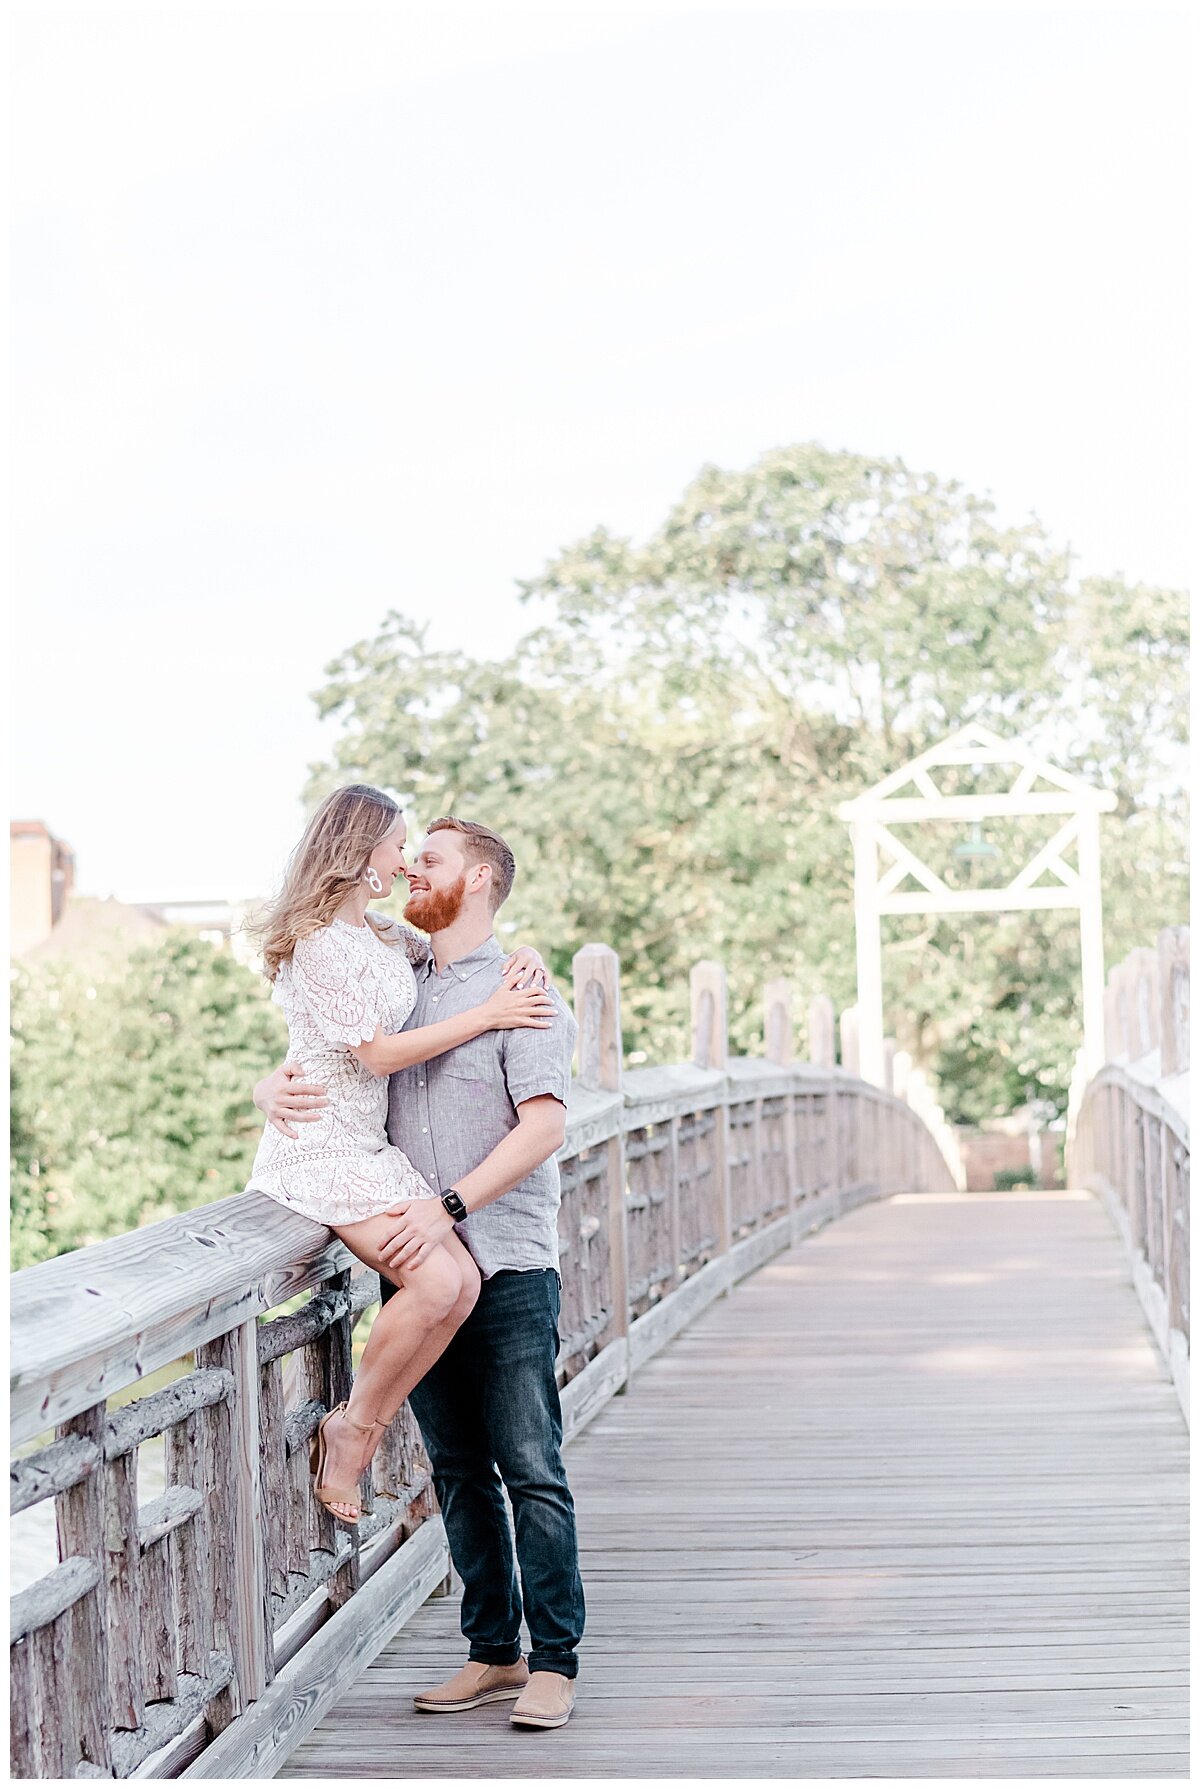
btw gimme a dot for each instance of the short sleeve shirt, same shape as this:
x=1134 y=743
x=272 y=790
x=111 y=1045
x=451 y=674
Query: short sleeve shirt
x=448 y=1114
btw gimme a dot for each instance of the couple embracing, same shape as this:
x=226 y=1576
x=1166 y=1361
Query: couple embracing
x=418 y=1116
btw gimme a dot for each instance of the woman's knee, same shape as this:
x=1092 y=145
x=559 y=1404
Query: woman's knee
x=436 y=1285
x=446 y=1285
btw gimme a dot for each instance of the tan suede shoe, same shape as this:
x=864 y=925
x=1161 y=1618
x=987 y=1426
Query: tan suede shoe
x=474 y=1685
x=546 y=1701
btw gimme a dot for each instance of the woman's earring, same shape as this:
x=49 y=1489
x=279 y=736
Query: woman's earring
x=373 y=878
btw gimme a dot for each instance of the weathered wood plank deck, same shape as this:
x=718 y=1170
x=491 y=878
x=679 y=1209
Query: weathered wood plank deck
x=912 y=1501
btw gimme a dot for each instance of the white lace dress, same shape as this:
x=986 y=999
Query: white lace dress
x=341 y=984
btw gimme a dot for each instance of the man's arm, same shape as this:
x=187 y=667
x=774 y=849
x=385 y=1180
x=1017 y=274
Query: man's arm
x=422 y=1223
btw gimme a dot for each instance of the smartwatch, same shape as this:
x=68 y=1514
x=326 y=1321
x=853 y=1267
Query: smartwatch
x=452 y=1200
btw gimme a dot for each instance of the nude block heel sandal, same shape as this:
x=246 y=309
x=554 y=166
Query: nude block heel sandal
x=329 y=1494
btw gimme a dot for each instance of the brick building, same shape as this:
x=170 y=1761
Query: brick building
x=41 y=875
x=50 y=921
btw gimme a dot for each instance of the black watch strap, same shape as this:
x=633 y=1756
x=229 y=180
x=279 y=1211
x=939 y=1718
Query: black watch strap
x=452 y=1200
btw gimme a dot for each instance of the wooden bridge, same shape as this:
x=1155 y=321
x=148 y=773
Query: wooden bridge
x=912 y=1501
x=874 y=1476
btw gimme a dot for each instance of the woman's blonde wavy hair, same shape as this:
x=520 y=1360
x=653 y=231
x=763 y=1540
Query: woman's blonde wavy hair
x=327 y=865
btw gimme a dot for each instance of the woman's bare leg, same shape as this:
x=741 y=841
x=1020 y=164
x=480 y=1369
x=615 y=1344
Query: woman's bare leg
x=407 y=1336
x=383 y=1375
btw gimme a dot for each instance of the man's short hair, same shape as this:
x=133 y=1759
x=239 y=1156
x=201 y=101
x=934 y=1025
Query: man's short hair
x=482 y=845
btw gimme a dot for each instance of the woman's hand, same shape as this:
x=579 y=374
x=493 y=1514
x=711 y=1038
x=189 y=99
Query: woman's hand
x=525 y=967
x=285 y=1099
x=509 y=1009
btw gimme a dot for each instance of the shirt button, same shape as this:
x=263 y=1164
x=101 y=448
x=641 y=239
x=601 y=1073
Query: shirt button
x=420 y=1082
x=436 y=998
x=424 y=1130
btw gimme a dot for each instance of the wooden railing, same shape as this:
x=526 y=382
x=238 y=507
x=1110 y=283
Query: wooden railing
x=203 y=1631
x=1128 y=1135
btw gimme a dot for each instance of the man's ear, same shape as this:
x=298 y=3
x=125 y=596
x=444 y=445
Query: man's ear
x=481 y=878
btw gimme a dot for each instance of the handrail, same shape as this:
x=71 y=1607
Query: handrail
x=1144 y=1094
x=1128 y=1135
x=1130 y=1145
x=216 y=1620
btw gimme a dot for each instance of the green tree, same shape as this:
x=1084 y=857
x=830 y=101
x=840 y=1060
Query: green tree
x=666 y=749
x=131 y=1090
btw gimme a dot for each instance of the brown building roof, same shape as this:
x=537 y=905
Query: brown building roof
x=92 y=929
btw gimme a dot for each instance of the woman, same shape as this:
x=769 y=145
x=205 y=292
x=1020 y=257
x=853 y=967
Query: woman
x=344 y=979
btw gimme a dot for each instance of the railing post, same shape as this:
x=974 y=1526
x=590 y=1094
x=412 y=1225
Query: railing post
x=710 y=1016
x=1174 y=992
x=777 y=1021
x=901 y=1069
x=674 y=1196
x=778 y=1040
x=890 y=1050
x=237 y=1556
x=846 y=1100
x=1179 y=1222
x=1114 y=1041
x=710 y=1049
x=597 y=978
x=597 y=987
x=339 y=1376
x=79 y=1517
x=820 y=1031
x=848 y=1030
x=822 y=1053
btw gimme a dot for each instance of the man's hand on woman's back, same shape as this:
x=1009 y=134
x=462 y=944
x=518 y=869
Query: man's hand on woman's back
x=285 y=1099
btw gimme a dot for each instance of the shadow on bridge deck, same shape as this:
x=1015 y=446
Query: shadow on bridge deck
x=911 y=1501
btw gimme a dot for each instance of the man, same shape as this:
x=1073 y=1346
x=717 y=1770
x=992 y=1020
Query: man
x=482 y=1123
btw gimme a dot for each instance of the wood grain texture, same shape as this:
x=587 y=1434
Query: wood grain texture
x=53 y=1469
x=123 y=1596
x=23 y=1751
x=191 y=1567
x=231 y=1459
x=351 y=1637
x=160 y=1645
x=911 y=1501
x=90 y=1322
x=79 y=1518
x=51 y=1597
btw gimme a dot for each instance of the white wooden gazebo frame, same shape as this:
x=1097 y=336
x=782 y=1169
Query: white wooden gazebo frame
x=910 y=793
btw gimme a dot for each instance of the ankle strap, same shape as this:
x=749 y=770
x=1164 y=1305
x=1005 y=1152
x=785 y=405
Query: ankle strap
x=375 y=1422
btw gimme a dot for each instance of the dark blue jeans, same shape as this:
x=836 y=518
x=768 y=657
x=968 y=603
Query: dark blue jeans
x=489 y=1411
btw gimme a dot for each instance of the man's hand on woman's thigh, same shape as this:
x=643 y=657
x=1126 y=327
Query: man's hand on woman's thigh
x=420 y=1224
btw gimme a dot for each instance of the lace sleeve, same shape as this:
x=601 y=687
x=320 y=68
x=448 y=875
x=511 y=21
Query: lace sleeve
x=414 y=946
x=337 y=983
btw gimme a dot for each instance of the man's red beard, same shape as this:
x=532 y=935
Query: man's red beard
x=435 y=909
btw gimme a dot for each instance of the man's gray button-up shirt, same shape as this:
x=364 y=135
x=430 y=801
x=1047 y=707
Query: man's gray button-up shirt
x=449 y=1113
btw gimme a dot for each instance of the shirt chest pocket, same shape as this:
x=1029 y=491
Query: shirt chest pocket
x=478 y=1060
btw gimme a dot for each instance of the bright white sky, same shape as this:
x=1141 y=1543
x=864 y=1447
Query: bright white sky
x=318 y=313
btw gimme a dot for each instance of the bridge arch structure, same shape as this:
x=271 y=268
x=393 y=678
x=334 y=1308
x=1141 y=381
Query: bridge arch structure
x=912 y=794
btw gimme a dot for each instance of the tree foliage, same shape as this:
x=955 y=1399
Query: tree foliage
x=666 y=747
x=131 y=1090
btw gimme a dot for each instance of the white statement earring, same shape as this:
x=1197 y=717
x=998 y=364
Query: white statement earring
x=373 y=879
